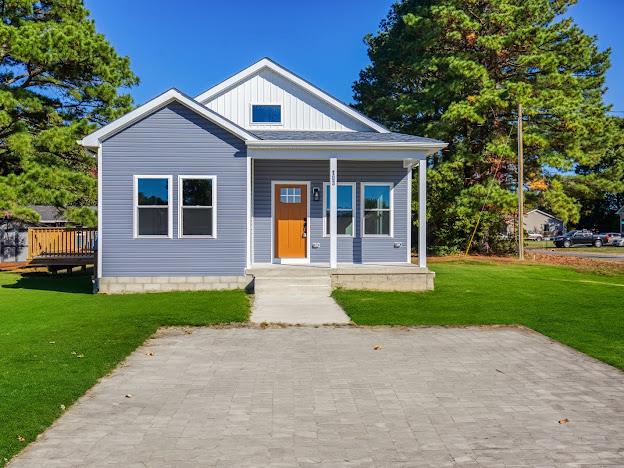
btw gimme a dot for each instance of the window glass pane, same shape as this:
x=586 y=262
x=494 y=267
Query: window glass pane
x=153 y=221
x=290 y=195
x=153 y=191
x=197 y=192
x=345 y=222
x=263 y=113
x=376 y=196
x=197 y=222
x=377 y=222
x=345 y=196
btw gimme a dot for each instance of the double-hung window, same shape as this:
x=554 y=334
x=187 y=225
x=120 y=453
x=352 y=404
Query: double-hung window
x=377 y=209
x=197 y=199
x=152 y=206
x=345 y=209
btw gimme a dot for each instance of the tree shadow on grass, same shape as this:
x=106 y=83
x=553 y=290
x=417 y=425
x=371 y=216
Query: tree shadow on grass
x=66 y=283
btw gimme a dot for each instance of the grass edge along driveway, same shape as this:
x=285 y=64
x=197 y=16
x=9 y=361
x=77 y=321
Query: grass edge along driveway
x=57 y=340
x=584 y=310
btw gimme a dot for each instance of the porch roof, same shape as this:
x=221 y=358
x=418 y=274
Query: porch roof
x=329 y=136
x=285 y=144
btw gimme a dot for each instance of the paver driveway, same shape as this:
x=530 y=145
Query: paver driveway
x=325 y=397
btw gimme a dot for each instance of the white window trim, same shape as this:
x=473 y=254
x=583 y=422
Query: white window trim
x=362 y=208
x=326 y=207
x=214 y=207
x=269 y=124
x=135 y=206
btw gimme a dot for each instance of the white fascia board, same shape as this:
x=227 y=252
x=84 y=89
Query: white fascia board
x=338 y=145
x=94 y=139
x=368 y=154
x=283 y=72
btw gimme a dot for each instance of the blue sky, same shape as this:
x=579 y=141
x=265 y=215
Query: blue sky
x=192 y=45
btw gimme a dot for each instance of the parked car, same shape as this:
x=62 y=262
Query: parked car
x=535 y=236
x=578 y=237
x=611 y=238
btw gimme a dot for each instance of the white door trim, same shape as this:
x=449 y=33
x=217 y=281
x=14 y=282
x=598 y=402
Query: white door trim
x=290 y=260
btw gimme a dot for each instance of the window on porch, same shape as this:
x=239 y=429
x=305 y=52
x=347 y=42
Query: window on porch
x=345 y=209
x=377 y=209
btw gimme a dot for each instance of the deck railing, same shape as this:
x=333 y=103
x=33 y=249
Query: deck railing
x=61 y=242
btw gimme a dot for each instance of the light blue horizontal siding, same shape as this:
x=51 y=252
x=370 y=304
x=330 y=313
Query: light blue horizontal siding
x=350 y=250
x=173 y=141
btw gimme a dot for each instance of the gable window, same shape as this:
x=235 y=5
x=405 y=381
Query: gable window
x=345 y=208
x=266 y=114
x=377 y=209
x=152 y=206
x=197 y=197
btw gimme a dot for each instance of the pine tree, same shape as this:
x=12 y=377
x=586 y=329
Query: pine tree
x=59 y=79
x=456 y=70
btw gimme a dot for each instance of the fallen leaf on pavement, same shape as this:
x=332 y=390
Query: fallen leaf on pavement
x=149 y=353
x=564 y=421
x=128 y=395
x=377 y=347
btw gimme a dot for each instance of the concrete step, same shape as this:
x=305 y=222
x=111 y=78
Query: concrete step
x=296 y=282
x=288 y=271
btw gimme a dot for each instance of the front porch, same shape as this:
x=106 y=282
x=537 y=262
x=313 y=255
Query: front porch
x=353 y=222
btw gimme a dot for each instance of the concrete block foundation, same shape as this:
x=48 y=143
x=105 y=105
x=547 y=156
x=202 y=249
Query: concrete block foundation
x=384 y=279
x=144 y=284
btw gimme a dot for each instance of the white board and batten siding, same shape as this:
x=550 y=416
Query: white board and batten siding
x=301 y=110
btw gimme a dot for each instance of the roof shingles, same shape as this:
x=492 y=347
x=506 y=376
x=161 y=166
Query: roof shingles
x=300 y=135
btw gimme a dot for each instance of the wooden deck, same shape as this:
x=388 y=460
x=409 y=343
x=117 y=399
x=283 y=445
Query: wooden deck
x=61 y=247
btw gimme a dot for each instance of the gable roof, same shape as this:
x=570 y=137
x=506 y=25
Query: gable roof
x=296 y=79
x=542 y=212
x=94 y=139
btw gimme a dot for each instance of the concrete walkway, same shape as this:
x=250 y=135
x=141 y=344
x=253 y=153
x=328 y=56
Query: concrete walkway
x=296 y=296
x=307 y=397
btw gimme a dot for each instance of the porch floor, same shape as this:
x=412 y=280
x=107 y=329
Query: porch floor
x=315 y=269
x=380 y=276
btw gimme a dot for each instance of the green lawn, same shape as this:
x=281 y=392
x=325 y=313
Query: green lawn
x=581 y=309
x=57 y=339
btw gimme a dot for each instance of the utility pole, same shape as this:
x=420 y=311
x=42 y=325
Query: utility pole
x=520 y=187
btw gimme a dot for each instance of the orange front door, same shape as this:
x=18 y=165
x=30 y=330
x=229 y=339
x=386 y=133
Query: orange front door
x=291 y=214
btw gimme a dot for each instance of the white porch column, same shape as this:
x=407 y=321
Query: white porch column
x=249 y=210
x=333 y=213
x=422 y=213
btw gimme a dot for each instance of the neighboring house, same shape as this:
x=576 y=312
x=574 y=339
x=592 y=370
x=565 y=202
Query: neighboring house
x=620 y=212
x=542 y=223
x=199 y=192
x=537 y=222
x=14 y=234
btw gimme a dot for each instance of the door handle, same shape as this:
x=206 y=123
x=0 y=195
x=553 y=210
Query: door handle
x=305 y=228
